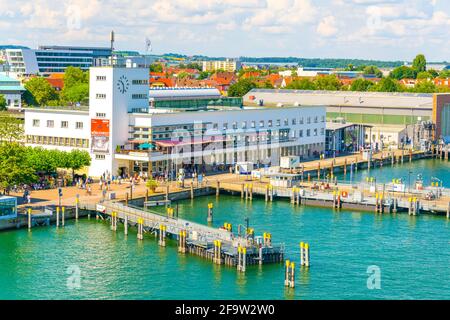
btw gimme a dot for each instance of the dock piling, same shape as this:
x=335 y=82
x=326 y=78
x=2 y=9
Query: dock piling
x=57 y=217
x=192 y=189
x=125 y=224
x=140 y=226
x=162 y=235
x=29 y=219
x=210 y=212
x=77 y=206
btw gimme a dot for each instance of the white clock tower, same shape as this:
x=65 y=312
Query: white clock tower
x=114 y=92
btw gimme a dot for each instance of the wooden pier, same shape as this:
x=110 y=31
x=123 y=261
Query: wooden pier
x=219 y=245
x=378 y=198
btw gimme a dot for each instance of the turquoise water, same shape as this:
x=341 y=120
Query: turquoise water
x=413 y=254
x=428 y=168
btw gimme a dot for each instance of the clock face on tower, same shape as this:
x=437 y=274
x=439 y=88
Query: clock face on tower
x=123 y=84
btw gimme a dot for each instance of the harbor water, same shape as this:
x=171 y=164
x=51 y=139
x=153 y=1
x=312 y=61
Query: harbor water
x=412 y=254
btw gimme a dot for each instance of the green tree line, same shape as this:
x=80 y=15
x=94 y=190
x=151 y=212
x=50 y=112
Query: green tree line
x=39 y=92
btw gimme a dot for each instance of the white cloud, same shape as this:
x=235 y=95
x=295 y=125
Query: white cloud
x=327 y=27
x=235 y=27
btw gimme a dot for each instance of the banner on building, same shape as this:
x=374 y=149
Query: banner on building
x=100 y=135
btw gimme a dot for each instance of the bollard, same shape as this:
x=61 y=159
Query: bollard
x=29 y=219
x=210 y=212
x=448 y=211
x=77 y=205
x=292 y=280
x=302 y=253
x=286 y=273
x=182 y=241
x=140 y=225
x=306 y=259
x=57 y=217
x=162 y=235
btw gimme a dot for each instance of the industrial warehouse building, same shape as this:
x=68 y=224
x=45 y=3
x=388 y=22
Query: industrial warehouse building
x=128 y=128
x=394 y=116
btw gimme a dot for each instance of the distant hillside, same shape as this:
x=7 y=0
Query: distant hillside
x=324 y=63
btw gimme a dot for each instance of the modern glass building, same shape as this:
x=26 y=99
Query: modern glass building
x=8 y=207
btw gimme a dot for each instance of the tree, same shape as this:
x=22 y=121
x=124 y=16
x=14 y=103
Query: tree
x=156 y=67
x=43 y=160
x=329 y=82
x=2 y=103
x=73 y=76
x=76 y=86
x=361 y=85
x=183 y=75
x=78 y=93
x=302 y=84
x=77 y=159
x=387 y=85
x=14 y=168
x=240 y=88
x=404 y=72
x=445 y=73
x=424 y=75
x=372 y=70
x=425 y=87
x=204 y=75
x=420 y=63
x=39 y=92
x=11 y=128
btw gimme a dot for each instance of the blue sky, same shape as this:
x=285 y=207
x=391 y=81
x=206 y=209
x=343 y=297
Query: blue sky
x=373 y=29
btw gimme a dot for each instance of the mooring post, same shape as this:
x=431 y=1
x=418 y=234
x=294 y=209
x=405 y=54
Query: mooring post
x=244 y=259
x=126 y=199
x=167 y=192
x=292 y=280
x=57 y=217
x=242 y=191
x=239 y=258
x=448 y=211
x=192 y=189
x=63 y=211
x=29 y=219
x=162 y=235
x=345 y=166
x=77 y=206
x=318 y=171
x=140 y=225
x=286 y=273
x=266 y=195
x=210 y=212
x=302 y=253
x=146 y=194
x=218 y=188
x=307 y=261
x=125 y=224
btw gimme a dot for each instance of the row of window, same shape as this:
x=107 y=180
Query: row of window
x=63 y=124
x=270 y=123
x=58 y=141
x=134 y=82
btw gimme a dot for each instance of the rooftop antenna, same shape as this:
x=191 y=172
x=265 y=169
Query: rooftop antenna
x=112 y=40
x=148 y=47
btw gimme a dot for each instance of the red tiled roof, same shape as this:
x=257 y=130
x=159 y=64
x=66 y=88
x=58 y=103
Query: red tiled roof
x=56 y=83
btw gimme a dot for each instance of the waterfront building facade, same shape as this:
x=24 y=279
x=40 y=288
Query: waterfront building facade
x=413 y=116
x=125 y=134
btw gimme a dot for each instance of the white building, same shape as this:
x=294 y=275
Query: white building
x=124 y=135
x=12 y=91
x=229 y=65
